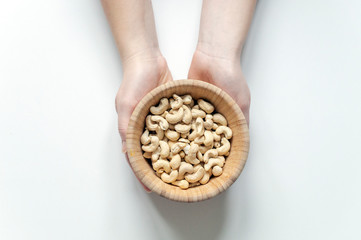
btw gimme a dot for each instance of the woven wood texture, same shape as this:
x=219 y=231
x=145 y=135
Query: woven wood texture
x=225 y=105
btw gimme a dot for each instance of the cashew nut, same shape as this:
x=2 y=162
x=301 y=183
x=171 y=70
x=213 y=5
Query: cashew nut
x=161 y=166
x=175 y=162
x=177 y=147
x=219 y=161
x=216 y=137
x=215 y=126
x=186 y=149
x=164 y=114
x=208 y=138
x=187 y=115
x=199 y=128
x=155 y=155
x=150 y=124
x=182 y=154
x=183 y=140
x=182 y=128
x=175 y=117
x=169 y=178
x=171 y=143
x=220 y=119
x=177 y=103
x=187 y=99
x=160 y=132
x=195 y=107
x=193 y=135
x=198 y=113
x=217 y=171
x=196 y=167
x=225 y=147
x=183 y=184
x=163 y=105
x=154 y=143
x=224 y=130
x=183 y=169
x=209 y=154
x=199 y=140
x=203 y=149
x=195 y=177
x=208 y=123
x=164 y=149
x=162 y=122
x=145 y=139
x=191 y=104
x=200 y=156
x=205 y=178
x=206 y=106
x=192 y=154
x=172 y=135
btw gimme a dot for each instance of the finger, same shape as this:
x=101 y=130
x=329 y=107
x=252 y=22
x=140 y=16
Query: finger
x=124 y=146
x=124 y=112
x=123 y=120
x=192 y=74
x=244 y=104
x=245 y=109
x=122 y=126
x=167 y=77
x=145 y=187
x=246 y=115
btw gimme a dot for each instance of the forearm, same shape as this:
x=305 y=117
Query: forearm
x=132 y=24
x=224 y=27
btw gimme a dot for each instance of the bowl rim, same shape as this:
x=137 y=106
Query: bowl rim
x=131 y=142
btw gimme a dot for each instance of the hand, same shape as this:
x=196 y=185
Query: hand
x=144 y=68
x=141 y=75
x=222 y=34
x=226 y=73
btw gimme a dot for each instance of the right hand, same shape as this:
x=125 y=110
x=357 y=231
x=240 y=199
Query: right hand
x=226 y=73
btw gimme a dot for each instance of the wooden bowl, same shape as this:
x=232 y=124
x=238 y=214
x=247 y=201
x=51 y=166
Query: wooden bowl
x=225 y=105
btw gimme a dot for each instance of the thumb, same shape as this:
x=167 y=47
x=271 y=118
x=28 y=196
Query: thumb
x=124 y=114
x=246 y=115
x=122 y=128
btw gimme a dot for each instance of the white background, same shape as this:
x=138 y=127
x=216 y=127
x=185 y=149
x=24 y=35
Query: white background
x=62 y=173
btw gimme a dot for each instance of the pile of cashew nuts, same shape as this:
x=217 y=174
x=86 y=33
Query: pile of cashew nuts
x=186 y=143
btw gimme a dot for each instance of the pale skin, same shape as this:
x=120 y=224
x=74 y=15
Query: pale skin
x=223 y=31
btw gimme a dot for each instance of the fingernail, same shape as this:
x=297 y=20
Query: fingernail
x=124 y=147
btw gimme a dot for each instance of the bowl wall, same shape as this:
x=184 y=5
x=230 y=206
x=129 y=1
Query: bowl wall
x=225 y=105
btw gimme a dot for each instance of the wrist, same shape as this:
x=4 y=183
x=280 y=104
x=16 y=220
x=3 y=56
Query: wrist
x=217 y=50
x=141 y=56
x=144 y=65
